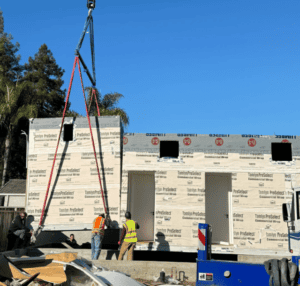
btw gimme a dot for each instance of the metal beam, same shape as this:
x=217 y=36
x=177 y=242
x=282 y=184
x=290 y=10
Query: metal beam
x=85 y=68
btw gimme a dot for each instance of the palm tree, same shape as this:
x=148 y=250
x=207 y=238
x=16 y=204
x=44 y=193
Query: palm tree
x=107 y=104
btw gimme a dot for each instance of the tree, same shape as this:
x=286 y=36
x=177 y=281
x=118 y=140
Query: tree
x=1 y=23
x=107 y=104
x=37 y=93
x=12 y=107
x=44 y=78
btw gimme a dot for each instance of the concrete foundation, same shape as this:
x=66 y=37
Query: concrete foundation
x=136 y=269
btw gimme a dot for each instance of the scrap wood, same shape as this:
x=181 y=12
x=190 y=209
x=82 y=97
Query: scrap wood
x=18 y=273
x=49 y=271
x=64 y=257
x=53 y=273
x=9 y=270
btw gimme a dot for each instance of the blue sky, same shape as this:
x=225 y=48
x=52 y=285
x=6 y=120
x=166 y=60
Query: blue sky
x=192 y=66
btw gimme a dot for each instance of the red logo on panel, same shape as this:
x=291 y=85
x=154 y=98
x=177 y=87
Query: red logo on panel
x=125 y=140
x=187 y=141
x=285 y=141
x=155 y=141
x=219 y=141
x=251 y=142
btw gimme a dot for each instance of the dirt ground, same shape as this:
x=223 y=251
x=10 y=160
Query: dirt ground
x=153 y=283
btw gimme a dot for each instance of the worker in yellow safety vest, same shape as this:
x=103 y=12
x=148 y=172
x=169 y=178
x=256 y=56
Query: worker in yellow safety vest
x=98 y=234
x=130 y=239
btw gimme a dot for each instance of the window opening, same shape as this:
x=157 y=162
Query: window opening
x=2 y=201
x=169 y=149
x=68 y=132
x=281 y=151
x=297 y=204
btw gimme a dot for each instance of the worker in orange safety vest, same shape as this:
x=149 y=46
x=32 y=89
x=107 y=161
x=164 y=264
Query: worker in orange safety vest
x=130 y=239
x=98 y=234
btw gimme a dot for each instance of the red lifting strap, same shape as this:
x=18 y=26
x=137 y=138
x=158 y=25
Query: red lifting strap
x=62 y=123
x=94 y=95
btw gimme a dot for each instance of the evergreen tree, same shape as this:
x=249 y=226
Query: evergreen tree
x=44 y=82
x=1 y=23
x=37 y=94
x=107 y=104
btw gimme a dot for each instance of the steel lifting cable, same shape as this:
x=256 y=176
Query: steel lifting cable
x=76 y=61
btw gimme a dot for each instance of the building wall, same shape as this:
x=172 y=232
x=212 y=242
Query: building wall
x=16 y=201
x=259 y=185
x=74 y=195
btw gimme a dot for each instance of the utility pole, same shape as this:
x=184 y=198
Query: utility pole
x=27 y=145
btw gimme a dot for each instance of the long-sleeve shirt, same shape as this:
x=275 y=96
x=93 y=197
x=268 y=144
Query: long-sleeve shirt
x=123 y=233
x=17 y=224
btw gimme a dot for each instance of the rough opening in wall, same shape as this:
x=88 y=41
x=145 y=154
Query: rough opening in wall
x=281 y=151
x=68 y=132
x=169 y=149
x=2 y=198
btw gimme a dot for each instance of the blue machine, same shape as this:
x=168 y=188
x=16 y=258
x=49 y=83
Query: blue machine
x=225 y=273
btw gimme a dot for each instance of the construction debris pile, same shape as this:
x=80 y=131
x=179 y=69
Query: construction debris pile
x=60 y=269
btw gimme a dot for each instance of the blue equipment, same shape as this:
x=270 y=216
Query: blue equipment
x=225 y=273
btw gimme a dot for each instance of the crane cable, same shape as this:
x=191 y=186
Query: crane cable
x=76 y=61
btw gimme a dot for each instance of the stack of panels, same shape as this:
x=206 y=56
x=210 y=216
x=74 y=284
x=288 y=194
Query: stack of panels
x=75 y=195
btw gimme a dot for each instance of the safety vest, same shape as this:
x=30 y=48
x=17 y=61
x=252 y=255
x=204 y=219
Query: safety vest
x=98 y=225
x=130 y=231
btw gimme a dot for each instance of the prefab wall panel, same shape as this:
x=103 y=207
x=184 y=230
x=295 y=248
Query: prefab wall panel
x=259 y=185
x=74 y=196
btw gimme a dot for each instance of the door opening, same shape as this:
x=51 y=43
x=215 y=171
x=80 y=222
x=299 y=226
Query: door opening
x=217 y=210
x=141 y=202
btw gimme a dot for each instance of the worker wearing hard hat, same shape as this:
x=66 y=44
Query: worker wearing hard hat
x=98 y=234
x=130 y=240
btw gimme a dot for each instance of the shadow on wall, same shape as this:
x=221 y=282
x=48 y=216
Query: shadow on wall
x=163 y=245
x=104 y=187
x=56 y=180
x=50 y=237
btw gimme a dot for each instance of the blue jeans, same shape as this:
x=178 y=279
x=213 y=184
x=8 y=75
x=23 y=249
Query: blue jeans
x=96 y=245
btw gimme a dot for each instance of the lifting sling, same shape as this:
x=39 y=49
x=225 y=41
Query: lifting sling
x=78 y=59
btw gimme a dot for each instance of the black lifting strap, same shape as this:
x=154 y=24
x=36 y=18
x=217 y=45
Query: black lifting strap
x=282 y=273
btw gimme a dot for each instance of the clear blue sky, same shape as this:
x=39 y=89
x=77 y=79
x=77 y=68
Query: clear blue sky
x=183 y=66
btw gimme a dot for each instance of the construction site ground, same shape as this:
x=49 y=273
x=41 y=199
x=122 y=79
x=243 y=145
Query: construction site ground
x=142 y=270
x=146 y=272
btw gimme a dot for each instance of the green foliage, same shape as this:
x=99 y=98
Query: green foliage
x=1 y=23
x=107 y=104
x=9 y=61
x=34 y=91
x=43 y=79
x=37 y=93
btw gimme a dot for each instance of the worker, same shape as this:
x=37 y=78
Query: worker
x=72 y=242
x=19 y=229
x=130 y=239
x=98 y=234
